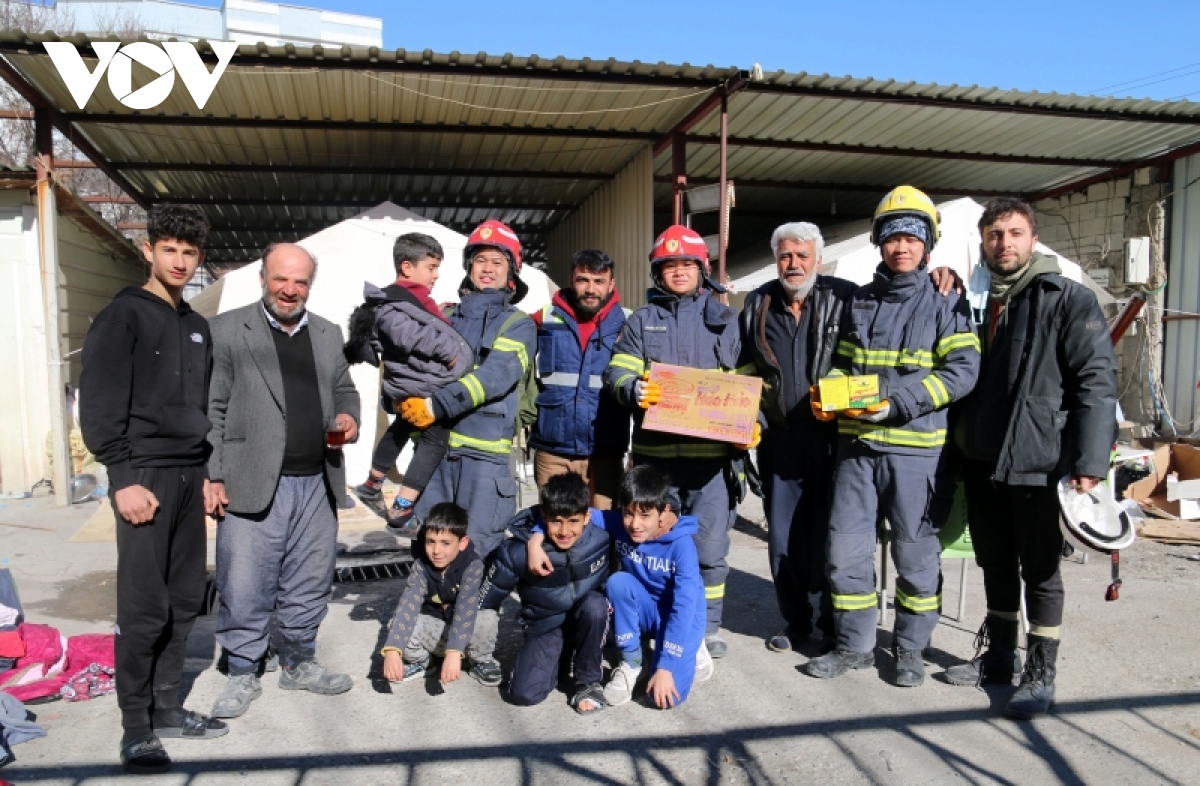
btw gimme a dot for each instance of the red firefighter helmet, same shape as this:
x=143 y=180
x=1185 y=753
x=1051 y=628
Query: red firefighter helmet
x=494 y=234
x=680 y=242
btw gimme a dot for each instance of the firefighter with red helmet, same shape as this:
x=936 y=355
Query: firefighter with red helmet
x=481 y=407
x=683 y=324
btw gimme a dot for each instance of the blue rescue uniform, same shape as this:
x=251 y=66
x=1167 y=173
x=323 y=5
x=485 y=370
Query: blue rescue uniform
x=696 y=331
x=481 y=409
x=924 y=349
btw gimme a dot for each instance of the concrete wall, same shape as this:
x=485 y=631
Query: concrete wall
x=1091 y=226
x=617 y=219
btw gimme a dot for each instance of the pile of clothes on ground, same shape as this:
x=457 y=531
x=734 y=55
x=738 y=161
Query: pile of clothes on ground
x=38 y=664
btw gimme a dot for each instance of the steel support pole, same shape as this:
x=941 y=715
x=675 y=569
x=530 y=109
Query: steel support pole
x=723 y=219
x=678 y=176
x=47 y=208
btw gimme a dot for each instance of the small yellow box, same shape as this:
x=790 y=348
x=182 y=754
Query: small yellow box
x=838 y=393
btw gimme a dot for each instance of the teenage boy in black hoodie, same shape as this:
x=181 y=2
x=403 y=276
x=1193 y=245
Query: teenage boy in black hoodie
x=146 y=365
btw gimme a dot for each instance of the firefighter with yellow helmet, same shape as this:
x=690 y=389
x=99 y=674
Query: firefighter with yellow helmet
x=923 y=349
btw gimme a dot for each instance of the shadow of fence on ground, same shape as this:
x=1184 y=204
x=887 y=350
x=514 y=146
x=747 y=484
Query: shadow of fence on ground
x=547 y=760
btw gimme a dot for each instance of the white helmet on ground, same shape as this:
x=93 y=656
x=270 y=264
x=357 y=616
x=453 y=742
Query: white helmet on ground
x=1093 y=521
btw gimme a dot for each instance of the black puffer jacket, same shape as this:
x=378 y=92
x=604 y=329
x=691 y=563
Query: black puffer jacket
x=545 y=600
x=828 y=297
x=1045 y=403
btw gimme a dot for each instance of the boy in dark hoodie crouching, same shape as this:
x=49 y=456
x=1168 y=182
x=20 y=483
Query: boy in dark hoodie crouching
x=657 y=591
x=143 y=411
x=562 y=607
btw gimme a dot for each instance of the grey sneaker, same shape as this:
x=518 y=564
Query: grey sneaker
x=715 y=644
x=487 y=673
x=372 y=498
x=240 y=690
x=312 y=676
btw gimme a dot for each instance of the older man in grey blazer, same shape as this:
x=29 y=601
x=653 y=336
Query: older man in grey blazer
x=280 y=383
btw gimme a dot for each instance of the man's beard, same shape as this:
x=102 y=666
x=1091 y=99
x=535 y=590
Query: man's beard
x=798 y=292
x=295 y=316
x=587 y=312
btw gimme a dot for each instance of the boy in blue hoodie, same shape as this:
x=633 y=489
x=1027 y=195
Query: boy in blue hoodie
x=658 y=590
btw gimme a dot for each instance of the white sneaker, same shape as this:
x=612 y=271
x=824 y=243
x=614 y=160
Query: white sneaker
x=619 y=689
x=704 y=664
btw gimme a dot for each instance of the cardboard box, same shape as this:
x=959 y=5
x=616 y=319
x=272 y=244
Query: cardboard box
x=838 y=393
x=1151 y=491
x=708 y=404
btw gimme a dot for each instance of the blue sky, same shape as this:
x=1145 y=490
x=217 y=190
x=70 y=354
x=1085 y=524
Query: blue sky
x=1054 y=45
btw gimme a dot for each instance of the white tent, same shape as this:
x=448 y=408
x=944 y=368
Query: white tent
x=356 y=250
x=850 y=255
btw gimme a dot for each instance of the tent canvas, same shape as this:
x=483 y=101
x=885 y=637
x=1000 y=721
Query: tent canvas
x=348 y=253
x=850 y=255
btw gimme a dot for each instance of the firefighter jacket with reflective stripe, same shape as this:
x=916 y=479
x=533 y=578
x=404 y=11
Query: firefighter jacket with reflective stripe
x=923 y=347
x=485 y=401
x=696 y=331
x=575 y=416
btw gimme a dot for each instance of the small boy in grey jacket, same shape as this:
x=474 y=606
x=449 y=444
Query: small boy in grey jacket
x=421 y=353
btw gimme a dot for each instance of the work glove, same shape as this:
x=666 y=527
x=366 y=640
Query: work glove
x=755 y=438
x=648 y=393
x=872 y=414
x=814 y=400
x=418 y=411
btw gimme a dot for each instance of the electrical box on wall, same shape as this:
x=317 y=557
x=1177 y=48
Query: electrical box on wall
x=1101 y=275
x=1137 y=260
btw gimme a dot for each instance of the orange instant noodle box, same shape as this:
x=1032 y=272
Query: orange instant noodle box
x=707 y=404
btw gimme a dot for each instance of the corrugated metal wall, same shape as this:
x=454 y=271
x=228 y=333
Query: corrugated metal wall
x=1181 y=356
x=617 y=219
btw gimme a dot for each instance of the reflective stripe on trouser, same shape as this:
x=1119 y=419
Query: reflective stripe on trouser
x=867 y=486
x=485 y=489
x=704 y=493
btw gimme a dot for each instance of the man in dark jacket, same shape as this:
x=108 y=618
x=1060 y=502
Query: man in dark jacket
x=790 y=328
x=1044 y=408
x=566 y=603
x=146 y=366
x=580 y=427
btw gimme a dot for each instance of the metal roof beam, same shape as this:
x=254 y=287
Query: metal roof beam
x=901 y=152
x=300 y=124
x=1121 y=171
x=306 y=169
x=803 y=185
x=366 y=202
x=734 y=84
x=60 y=122
x=942 y=102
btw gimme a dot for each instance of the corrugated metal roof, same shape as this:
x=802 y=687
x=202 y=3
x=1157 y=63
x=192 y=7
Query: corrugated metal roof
x=460 y=137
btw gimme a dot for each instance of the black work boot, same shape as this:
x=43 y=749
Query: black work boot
x=1035 y=694
x=838 y=662
x=996 y=661
x=910 y=668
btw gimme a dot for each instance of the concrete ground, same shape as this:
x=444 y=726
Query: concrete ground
x=1128 y=712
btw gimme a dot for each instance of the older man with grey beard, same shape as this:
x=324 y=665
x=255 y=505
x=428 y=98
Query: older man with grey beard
x=790 y=327
x=280 y=387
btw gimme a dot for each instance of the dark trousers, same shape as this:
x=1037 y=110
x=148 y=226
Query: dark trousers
x=796 y=502
x=160 y=590
x=536 y=670
x=280 y=562
x=1014 y=530
x=430 y=450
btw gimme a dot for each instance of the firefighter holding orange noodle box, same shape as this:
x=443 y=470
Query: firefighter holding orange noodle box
x=685 y=325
